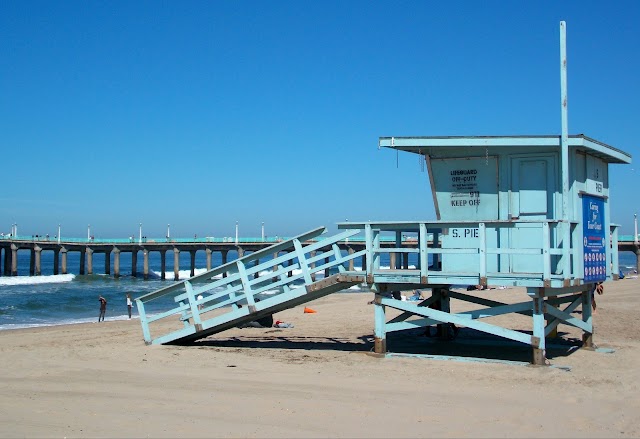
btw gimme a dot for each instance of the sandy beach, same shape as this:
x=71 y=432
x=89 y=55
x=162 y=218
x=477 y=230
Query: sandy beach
x=318 y=380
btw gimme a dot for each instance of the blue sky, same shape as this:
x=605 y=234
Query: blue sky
x=201 y=114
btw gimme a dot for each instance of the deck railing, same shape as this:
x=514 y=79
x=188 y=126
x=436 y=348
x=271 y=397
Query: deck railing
x=555 y=263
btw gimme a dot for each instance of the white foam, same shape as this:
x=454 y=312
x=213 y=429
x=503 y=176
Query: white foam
x=182 y=274
x=66 y=322
x=35 y=280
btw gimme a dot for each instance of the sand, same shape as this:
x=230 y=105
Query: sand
x=317 y=380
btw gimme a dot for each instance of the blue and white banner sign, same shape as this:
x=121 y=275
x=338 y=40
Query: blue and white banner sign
x=595 y=255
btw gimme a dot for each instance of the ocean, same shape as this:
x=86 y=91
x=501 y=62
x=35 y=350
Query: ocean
x=47 y=300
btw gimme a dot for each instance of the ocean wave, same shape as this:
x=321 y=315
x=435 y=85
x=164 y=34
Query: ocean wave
x=182 y=274
x=36 y=280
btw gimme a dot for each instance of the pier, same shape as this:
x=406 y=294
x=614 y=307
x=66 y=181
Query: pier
x=12 y=248
x=87 y=248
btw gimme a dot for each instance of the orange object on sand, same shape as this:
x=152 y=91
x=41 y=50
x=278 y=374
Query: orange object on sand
x=309 y=311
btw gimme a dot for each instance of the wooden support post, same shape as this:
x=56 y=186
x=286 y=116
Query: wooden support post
x=38 y=264
x=208 y=253
x=587 y=337
x=380 y=333
x=14 y=260
x=32 y=262
x=224 y=255
x=351 y=251
x=145 y=264
x=192 y=253
x=538 y=339
x=56 y=261
x=134 y=262
x=364 y=263
x=163 y=264
x=89 y=261
x=326 y=270
x=64 y=252
x=313 y=266
x=444 y=304
x=176 y=264
x=7 y=261
x=116 y=262
x=392 y=261
x=82 y=261
x=107 y=262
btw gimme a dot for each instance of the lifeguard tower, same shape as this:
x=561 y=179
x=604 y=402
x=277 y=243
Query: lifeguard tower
x=529 y=211
x=523 y=211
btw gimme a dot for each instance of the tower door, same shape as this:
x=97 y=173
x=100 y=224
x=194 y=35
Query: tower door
x=533 y=188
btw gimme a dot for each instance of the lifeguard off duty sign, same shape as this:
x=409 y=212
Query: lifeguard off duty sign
x=465 y=189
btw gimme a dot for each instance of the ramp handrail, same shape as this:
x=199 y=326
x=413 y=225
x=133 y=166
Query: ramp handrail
x=231 y=286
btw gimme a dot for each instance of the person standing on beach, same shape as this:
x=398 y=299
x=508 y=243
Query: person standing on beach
x=129 y=304
x=103 y=308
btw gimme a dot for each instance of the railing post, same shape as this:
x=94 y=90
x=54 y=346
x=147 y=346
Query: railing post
x=143 y=321
x=614 y=253
x=546 y=255
x=398 y=246
x=245 y=285
x=303 y=261
x=482 y=234
x=566 y=250
x=368 y=237
x=195 y=312
x=423 y=243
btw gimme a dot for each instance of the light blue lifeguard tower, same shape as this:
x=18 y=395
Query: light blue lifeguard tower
x=529 y=211
x=523 y=211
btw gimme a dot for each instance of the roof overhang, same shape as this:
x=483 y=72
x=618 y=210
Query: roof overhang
x=422 y=145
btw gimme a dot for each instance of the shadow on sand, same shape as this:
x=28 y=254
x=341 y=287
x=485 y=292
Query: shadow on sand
x=468 y=344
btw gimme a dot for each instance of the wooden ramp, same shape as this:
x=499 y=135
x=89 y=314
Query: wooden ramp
x=271 y=280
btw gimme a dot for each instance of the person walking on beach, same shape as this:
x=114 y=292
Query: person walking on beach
x=103 y=308
x=129 y=304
